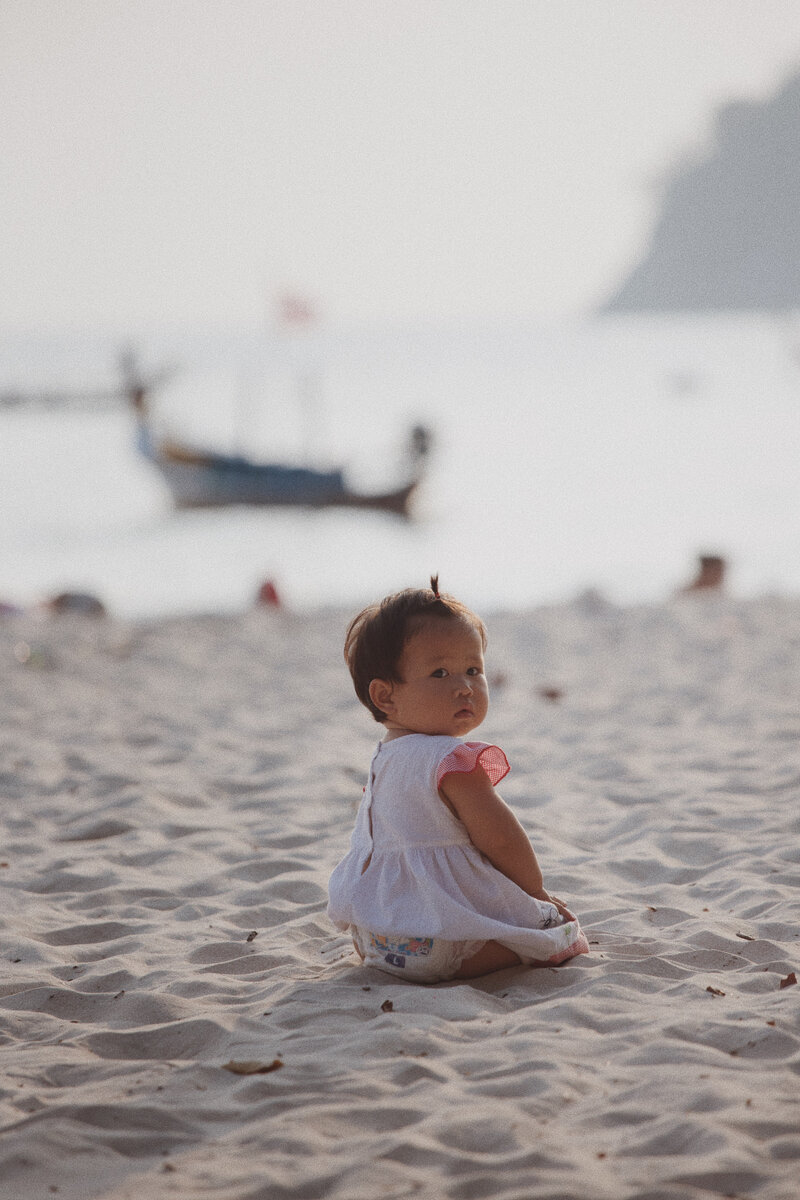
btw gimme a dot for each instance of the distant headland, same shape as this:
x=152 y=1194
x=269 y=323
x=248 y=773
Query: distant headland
x=727 y=235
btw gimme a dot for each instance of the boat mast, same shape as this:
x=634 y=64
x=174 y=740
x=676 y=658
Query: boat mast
x=296 y=316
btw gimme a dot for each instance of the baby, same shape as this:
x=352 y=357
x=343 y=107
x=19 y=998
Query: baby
x=441 y=881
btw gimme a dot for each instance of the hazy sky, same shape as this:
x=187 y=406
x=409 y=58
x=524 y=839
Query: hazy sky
x=183 y=161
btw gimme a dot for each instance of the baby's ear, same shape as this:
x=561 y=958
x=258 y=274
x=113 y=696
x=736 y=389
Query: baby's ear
x=380 y=693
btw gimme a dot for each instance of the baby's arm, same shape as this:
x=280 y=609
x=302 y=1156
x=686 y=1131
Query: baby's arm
x=496 y=832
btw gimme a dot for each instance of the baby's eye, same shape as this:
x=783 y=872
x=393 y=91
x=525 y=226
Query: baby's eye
x=439 y=673
x=474 y=670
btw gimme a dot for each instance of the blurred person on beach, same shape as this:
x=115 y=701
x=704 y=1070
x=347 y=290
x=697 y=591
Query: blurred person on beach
x=710 y=575
x=441 y=881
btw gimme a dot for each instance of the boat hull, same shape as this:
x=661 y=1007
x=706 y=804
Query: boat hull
x=222 y=482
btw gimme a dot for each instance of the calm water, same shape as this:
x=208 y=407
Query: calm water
x=605 y=453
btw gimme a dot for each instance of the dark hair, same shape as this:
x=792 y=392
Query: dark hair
x=377 y=637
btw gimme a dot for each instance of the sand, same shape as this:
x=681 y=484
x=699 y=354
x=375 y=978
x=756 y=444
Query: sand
x=174 y=797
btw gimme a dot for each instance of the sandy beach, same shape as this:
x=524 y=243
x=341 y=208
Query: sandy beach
x=178 y=1019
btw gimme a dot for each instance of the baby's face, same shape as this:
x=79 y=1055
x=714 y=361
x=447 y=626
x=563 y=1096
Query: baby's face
x=443 y=689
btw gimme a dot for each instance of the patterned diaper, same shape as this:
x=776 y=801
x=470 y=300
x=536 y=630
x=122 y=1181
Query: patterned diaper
x=421 y=959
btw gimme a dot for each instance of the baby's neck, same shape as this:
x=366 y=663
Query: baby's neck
x=397 y=732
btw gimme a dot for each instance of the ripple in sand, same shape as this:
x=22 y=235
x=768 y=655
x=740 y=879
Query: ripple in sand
x=59 y=881
x=787 y=1149
x=733 y=1039
x=95 y=831
x=257 y=870
x=178 y=1040
x=249 y=964
x=81 y=935
x=673 y=1137
x=300 y=890
x=732 y=1182
x=217 y=952
x=347 y=1121
x=407 y=1076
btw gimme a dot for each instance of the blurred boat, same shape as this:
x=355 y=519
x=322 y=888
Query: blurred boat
x=206 y=479
x=199 y=478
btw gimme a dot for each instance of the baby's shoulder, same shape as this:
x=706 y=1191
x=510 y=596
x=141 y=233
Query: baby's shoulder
x=465 y=757
x=425 y=755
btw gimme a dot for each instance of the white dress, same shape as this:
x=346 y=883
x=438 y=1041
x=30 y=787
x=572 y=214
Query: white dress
x=412 y=869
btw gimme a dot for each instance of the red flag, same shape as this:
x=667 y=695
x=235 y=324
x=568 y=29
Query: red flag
x=295 y=310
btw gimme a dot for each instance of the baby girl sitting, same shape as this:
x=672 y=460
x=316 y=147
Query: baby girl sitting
x=441 y=881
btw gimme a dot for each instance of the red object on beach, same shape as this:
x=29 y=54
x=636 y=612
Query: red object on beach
x=268 y=595
x=295 y=309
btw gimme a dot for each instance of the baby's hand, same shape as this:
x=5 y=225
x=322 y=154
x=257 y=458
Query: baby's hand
x=559 y=904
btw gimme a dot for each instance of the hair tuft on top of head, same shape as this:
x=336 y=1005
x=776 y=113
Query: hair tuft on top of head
x=435 y=585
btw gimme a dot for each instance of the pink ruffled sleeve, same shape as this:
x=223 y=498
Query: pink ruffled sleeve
x=469 y=755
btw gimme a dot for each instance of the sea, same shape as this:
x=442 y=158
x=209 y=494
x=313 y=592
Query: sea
x=596 y=455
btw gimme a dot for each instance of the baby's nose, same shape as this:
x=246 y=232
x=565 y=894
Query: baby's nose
x=465 y=684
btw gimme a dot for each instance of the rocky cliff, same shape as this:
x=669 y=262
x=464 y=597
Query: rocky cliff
x=728 y=231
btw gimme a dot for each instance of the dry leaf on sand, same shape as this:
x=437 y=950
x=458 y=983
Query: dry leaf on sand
x=252 y=1068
